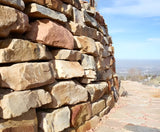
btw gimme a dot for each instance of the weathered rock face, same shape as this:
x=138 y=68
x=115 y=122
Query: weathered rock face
x=102 y=50
x=12 y=20
x=55 y=35
x=18 y=50
x=56 y=121
x=26 y=122
x=67 y=69
x=16 y=103
x=27 y=75
x=75 y=3
x=78 y=16
x=66 y=93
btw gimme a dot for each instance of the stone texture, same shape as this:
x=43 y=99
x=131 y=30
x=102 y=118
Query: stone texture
x=102 y=50
x=18 y=50
x=64 y=54
x=55 y=121
x=78 y=16
x=12 y=20
x=16 y=103
x=109 y=99
x=105 y=111
x=99 y=19
x=102 y=30
x=37 y=11
x=66 y=93
x=86 y=80
x=89 y=124
x=86 y=44
x=98 y=106
x=26 y=75
x=75 y=3
x=105 y=75
x=90 y=74
x=55 y=35
x=67 y=69
x=25 y=123
x=18 y=4
x=109 y=39
x=80 y=113
x=88 y=62
x=97 y=90
x=67 y=10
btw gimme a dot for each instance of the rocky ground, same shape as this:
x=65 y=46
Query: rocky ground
x=139 y=111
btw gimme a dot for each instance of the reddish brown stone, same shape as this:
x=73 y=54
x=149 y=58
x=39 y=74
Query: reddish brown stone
x=51 y=34
x=99 y=19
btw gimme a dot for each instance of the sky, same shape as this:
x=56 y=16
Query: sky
x=134 y=26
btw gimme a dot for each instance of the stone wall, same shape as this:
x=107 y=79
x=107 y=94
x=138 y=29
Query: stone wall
x=57 y=66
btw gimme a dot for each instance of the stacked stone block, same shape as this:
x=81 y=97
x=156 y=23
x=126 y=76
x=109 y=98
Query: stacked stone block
x=57 y=66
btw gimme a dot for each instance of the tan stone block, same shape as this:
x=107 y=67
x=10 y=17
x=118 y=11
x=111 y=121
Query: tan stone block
x=26 y=122
x=98 y=106
x=75 y=3
x=16 y=103
x=90 y=74
x=50 y=33
x=97 y=90
x=67 y=10
x=12 y=20
x=67 y=69
x=18 y=50
x=105 y=111
x=41 y=2
x=24 y=76
x=18 y=4
x=105 y=75
x=66 y=93
x=109 y=99
x=102 y=50
x=64 y=54
x=55 y=121
x=80 y=114
x=86 y=80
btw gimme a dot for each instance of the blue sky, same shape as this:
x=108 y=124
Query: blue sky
x=134 y=26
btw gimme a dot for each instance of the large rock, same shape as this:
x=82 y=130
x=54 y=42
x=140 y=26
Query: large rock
x=18 y=50
x=80 y=114
x=86 y=44
x=67 y=10
x=12 y=20
x=55 y=121
x=90 y=74
x=25 y=123
x=18 y=4
x=51 y=34
x=105 y=75
x=16 y=103
x=66 y=93
x=78 y=16
x=26 y=75
x=37 y=11
x=97 y=90
x=68 y=69
x=102 y=50
x=64 y=54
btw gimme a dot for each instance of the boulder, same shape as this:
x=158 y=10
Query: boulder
x=18 y=50
x=12 y=20
x=24 y=76
x=16 y=103
x=55 y=35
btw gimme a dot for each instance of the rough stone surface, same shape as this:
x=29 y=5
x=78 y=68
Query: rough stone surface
x=67 y=69
x=90 y=74
x=105 y=111
x=86 y=44
x=105 y=75
x=109 y=100
x=26 y=75
x=80 y=114
x=12 y=20
x=18 y=4
x=18 y=50
x=38 y=11
x=64 y=54
x=75 y=3
x=66 y=93
x=98 y=106
x=78 y=16
x=102 y=50
x=25 y=123
x=86 y=80
x=55 y=35
x=67 y=10
x=55 y=121
x=16 y=103
x=97 y=90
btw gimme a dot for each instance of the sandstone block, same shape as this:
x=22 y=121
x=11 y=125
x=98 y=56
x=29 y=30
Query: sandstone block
x=68 y=69
x=12 y=20
x=88 y=62
x=105 y=74
x=66 y=93
x=86 y=80
x=55 y=121
x=16 y=103
x=18 y=50
x=38 y=11
x=26 y=75
x=80 y=114
x=75 y=3
x=109 y=39
x=24 y=123
x=55 y=35
x=64 y=54
x=18 y=4
x=86 y=44
x=97 y=90
x=78 y=16
x=105 y=111
x=98 y=106
x=90 y=74
x=67 y=10
x=102 y=50
x=109 y=99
